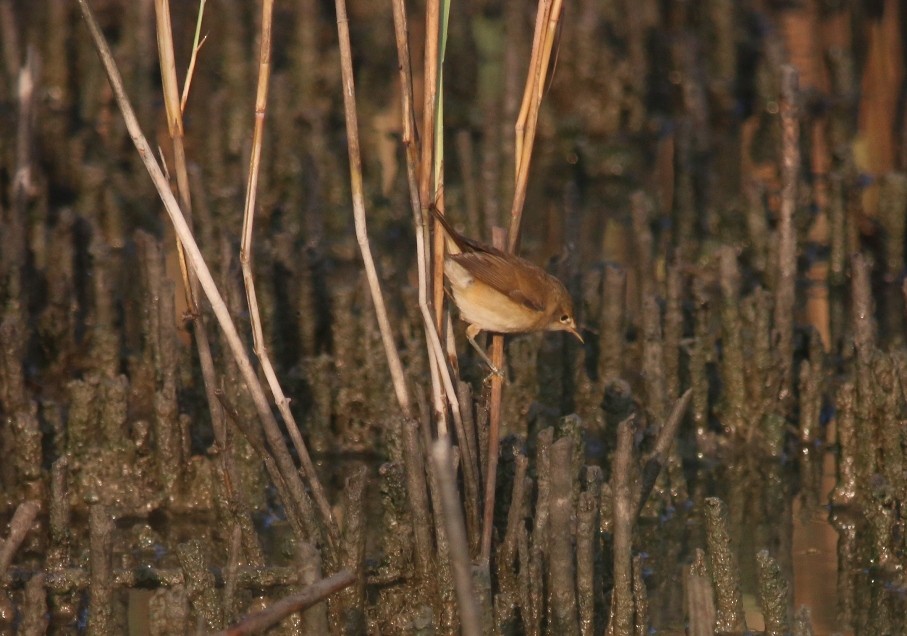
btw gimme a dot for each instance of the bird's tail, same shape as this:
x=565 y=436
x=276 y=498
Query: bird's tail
x=456 y=242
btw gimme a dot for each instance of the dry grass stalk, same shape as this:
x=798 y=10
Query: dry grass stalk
x=456 y=533
x=245 y=258
x=197 y=44
x=352 y=128
x=196 y=260
x=175 y=105
x=542 y=45
x=174 y=109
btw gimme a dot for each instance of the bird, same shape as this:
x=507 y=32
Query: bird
x=501 y=293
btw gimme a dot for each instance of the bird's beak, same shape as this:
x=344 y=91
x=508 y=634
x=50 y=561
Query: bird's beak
x=573 y=330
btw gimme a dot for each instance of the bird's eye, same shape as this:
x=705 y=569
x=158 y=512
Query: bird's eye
x=565 y=318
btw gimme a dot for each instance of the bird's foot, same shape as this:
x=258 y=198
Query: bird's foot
x=495 y=372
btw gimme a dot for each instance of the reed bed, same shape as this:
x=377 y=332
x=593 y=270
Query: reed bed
x=231 y=392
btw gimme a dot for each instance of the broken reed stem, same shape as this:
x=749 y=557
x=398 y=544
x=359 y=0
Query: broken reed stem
x=621 y=623
x=498 y=239
x=245 y=258
x=101 y=587
x=456 y=536
x=785 y=291
x=351 y=603
x=773 y=595
x=724 y=568
x=19 y=526
x=659 y=455
x=563 y=614
x=309 y=596
x=197 y=261
x=699 y=599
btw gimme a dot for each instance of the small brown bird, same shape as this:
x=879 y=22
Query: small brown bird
x=502 y=293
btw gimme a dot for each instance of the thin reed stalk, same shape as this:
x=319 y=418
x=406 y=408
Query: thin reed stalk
x=352 y=129
x=542 y=45
x=174 y=108
x=245 y=259
x=295 y=489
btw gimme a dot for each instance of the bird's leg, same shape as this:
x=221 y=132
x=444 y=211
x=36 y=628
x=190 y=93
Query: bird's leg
x=471 y=332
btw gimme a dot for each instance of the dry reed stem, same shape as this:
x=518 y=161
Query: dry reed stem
x=494 y=427
x=352 y=128
x=197 y=261
x=785 y=292
x=19 y=525
x=541 y=19
x=546 y=27
x=456 y=534
x=245 y=258
x=309 y=596
x=164 y=31
x=438 y=362
x=428 y=193
x=197 y=45
x=535 y=87
x=415 y=474
x=190 y=281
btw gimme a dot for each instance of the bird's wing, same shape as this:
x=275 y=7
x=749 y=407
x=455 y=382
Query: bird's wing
x=508 y=275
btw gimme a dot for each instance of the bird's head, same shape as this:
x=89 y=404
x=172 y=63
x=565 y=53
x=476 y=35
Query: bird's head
x=563 y=318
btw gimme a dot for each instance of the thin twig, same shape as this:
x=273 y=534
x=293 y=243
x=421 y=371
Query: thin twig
x=352 y=130
x=309 y=596
x=494 y=428
x=659 y=454
x=197 y=45
x=456 y=535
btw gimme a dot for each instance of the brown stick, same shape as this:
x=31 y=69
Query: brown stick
x=535 y=86
x=305 y=599
x=18 y=527
x=785 y=290
x=494 y=428
x=622 y=596
x=456 y=534
x=100 y=604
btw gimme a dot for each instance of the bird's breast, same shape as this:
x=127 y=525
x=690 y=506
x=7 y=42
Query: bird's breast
x=487 y=308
